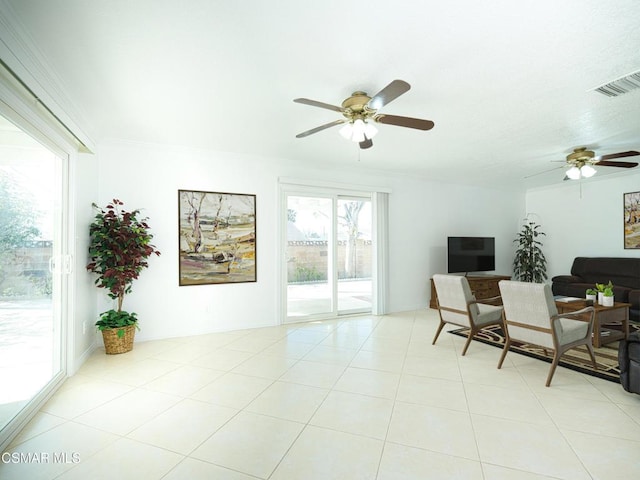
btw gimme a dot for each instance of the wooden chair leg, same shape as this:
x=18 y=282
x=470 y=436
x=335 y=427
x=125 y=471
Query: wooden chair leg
x=472 y=333
x=592 y=355
x=440 y=327
x=552 y=369
x=507 y=344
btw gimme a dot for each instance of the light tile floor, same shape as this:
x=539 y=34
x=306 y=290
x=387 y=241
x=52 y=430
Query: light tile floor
x=355 y=398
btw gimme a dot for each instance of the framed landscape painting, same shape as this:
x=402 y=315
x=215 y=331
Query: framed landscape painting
x=632 y=220
x=217 y=237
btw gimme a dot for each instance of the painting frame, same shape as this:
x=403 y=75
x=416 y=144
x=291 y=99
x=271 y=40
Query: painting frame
x=217 y=241
x=631 y=220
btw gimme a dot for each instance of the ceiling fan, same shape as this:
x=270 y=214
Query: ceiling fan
x=581 y=162
x=360 y=112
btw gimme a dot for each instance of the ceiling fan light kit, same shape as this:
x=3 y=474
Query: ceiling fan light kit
x=360 y=112
x=586 y=171
x=573 y=173
x=358 y=131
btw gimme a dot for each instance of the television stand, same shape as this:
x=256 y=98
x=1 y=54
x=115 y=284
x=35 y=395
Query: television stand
x=482 y=286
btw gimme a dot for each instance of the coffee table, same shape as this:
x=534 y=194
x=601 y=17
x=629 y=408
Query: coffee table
x=604 y=317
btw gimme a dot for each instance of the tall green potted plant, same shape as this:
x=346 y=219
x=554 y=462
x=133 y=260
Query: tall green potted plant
x=530 y=264
x=120 y=244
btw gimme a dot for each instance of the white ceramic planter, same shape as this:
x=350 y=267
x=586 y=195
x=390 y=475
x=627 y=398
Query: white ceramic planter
x=607 y=301
x=592 y=298
x=600 y=297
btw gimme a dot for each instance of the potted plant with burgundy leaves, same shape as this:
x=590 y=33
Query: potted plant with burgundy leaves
x=120 y=244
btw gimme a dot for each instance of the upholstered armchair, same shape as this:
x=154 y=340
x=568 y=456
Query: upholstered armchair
x=458 y=306
x=530 y=316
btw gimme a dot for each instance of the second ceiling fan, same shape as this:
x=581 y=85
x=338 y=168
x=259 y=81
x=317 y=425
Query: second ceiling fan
x=581 y=162
x=360 y=112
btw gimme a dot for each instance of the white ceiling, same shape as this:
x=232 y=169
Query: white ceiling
x=507 y=83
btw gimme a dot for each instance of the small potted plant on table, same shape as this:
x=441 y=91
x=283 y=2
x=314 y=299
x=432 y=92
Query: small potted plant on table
x=600 y=288
x=591 y=295
x=607 y=297
x=120 y=244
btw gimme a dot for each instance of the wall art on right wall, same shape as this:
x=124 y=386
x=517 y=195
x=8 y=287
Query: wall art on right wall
x=632 y=220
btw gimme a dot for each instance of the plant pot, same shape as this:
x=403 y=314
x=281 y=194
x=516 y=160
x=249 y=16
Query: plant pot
x=600 y=297
x=114 y=344
x=592 y=298
x=607 y=301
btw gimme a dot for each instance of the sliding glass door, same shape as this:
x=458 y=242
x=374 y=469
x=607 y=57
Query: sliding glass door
x=328 y=259
x=31 y=186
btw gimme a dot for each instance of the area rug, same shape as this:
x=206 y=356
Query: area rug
x=576 y=359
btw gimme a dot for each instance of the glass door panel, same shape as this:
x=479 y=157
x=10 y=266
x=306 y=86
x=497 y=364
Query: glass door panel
x=354 y=248
x=309 y=252
x=30 y=338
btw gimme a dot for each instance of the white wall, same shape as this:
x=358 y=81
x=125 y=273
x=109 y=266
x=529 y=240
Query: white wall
x=422 y=215
x=583 y=220
x=84 y=186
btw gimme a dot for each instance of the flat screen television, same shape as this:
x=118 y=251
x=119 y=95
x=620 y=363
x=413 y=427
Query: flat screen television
x=471 y=254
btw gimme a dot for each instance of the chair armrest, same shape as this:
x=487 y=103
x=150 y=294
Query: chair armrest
x=557 y=326
x=576 y=314
x=488 y=301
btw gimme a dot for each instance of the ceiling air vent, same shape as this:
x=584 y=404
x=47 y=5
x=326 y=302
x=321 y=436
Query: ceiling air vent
x=620 y=86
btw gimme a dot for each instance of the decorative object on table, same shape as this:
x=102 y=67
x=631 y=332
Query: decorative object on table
x=600 y=288
x=120 y=244
x=591 y=295
x=530 y=264
x=217 y=237
x=631 y=203
x=607 y=297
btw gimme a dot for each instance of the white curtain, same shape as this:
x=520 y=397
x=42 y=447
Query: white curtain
x=381 y=245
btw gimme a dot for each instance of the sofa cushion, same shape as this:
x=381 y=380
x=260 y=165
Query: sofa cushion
x=621 y=294
x=634 y=297
x=570 y=289
x=567 y=279
x=634 y=300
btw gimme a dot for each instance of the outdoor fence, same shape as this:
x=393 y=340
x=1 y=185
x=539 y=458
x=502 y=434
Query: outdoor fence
x=307 y=260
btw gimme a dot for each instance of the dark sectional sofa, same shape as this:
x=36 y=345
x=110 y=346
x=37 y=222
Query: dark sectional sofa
x=624 y=273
